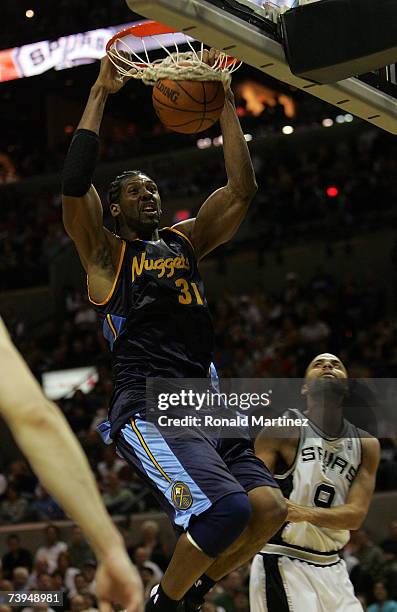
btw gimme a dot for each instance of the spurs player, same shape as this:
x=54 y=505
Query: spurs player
x=326 y=471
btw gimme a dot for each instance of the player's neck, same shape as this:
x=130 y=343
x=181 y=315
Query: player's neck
x=129 y=234
x=327 y=414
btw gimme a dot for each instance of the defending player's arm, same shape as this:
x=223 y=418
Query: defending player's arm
x=45 y=437
x=277 y=443
x=82 y=208
x=223 y=212
x=351 y=514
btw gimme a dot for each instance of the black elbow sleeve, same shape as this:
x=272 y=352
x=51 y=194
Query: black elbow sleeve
x=80 y=163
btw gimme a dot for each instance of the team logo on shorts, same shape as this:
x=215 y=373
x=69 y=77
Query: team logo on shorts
x=181 y=496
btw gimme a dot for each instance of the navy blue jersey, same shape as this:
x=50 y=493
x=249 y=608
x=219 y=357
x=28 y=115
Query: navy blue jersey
x=155 y=319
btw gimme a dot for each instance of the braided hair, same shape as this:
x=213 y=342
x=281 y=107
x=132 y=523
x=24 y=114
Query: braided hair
x=115 y=192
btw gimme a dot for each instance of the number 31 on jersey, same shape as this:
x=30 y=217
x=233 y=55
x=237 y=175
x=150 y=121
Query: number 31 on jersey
x=189 y=292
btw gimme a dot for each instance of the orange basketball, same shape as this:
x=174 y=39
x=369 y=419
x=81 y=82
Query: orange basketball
x=188 y=106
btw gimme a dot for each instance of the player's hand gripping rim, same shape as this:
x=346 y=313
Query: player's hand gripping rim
x=109 y=77
x=209 y=57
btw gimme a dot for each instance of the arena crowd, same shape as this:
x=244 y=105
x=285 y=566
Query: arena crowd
x=68 y=565
x=291 y=205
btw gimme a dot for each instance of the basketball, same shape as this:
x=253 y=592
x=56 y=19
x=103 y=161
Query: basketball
x=188 y=106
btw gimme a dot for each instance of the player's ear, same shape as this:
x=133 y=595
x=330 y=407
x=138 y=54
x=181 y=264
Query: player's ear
x=115 y=209
x=304 y=389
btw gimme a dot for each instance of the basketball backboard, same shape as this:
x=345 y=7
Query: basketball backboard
x=247 y=29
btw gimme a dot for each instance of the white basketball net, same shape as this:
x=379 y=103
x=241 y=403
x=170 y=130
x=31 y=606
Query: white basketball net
x=175 y=65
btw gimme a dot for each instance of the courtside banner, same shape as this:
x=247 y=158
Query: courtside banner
x=69 y=51
x=233 y=408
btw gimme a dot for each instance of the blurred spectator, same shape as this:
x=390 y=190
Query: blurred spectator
x=14 y=508
x=58 y=585
x=389 y=545
x=45 y=506
x=90 y=603
x=85 y=316
x=227 y=589
x=370 y=561
x=148 y=579
x=21 y=476
x=73 y=301
x=67 y=571
x=386 y=478
x=369 y=554
x=240 y=600
x=41 y=607
x=140 y=558
x=6 y=585
x=52 y=548
x=383 y=603
x=78 y=549
x=44 y=582
x=77 y=603
x=3 y=484
x=210 y=607
x=15 y=557
x=389 y=575
x=292 y=289
x=78 y=408
x=111 y=463
x=89 y=570
x=117 y=498
x=55 y=240
x=151 y=542
x=79 y=585
x=40 y=566
x=20 y=579
x=314 y=330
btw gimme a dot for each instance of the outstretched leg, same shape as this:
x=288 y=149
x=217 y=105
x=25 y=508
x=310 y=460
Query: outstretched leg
x=208 y=536
x=269 y=511
x=197 y=490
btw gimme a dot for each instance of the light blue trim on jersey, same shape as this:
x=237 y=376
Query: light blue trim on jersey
x=104 y=429
x=170 y=466
x=216 y=385
x=117 y=323
x=107 y=333
x=214 y=378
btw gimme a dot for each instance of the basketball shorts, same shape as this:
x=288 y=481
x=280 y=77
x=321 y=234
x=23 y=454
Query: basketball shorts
x=282 y=584
x=188 y=474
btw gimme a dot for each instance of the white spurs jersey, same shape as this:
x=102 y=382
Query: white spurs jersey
x=321 y=475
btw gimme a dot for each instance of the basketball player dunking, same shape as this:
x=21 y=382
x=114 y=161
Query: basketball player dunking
x=145 y=284
x=326 y=471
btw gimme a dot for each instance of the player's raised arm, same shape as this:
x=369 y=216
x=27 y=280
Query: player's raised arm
x=223 y=212
x=82 y=208
x=46 y=439
x=351 y=514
